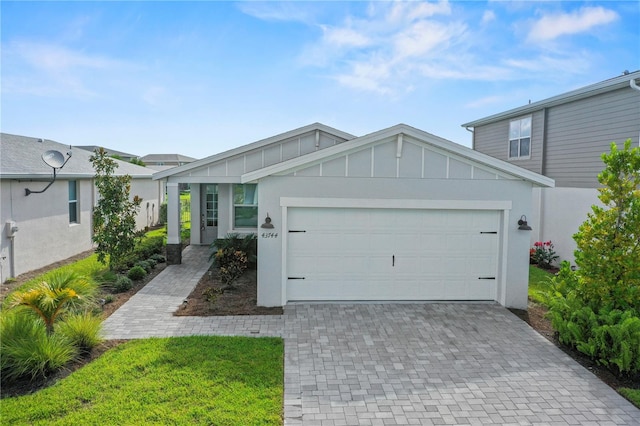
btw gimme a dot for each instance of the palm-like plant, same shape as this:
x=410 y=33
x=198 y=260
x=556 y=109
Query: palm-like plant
x=63 y=291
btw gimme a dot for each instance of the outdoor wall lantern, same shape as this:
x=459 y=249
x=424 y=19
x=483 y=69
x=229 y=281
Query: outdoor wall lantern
x=267 y=223
x=522 y=224
x=55 y=160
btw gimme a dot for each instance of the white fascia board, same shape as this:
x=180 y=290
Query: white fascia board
x=203 y=179
x=574 y=95
x=255 y=145
x=386 y=203
x=421 y=136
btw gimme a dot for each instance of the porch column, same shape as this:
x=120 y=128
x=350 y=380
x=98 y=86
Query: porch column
x=196 y=219
x=174 y=246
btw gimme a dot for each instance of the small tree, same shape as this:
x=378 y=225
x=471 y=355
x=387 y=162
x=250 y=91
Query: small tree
x=608 y=242
x=114 y=217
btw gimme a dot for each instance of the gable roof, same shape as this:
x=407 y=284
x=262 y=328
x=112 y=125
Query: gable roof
x=399 y=129
x=167 y=157
x=574 y=95
x=252 y=146
x=21 y=158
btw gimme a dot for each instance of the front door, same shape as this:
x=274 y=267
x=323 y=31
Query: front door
x=209 y=213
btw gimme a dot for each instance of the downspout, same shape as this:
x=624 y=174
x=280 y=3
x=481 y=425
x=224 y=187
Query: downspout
x=473 y=137
x=633 y=85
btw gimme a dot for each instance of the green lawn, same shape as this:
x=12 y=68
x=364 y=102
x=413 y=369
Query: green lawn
x=538 y=281
x=187 y=380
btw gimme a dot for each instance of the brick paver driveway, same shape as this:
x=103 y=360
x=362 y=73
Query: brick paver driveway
x=387 y=364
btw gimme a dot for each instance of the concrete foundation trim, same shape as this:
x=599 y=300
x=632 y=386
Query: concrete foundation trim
x=174 y=254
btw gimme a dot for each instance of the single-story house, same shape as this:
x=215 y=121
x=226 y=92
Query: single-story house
x=398 y=214
x=41 y=228
x=563 y=138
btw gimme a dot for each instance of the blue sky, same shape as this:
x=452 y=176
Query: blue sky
x=198 y=78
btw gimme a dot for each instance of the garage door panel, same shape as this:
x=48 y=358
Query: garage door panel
x=379 y=254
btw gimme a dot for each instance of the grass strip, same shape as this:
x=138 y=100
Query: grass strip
x=538 y=281
x=185 y=380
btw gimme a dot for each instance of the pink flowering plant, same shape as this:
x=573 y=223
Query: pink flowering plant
x=543 y=254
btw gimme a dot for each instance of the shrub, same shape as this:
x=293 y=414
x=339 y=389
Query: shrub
x=27 y=349
x=144 y=265
x=63 y=292
x=231 y=265
x=82 y=330
x=247 y=244
x=158 y=258
x=543 y=254
x=151 y=262
x=608 y=255
x=122 y=284
x=136 y=273
x=105 y=277
x=596 y=308
x=144 y=249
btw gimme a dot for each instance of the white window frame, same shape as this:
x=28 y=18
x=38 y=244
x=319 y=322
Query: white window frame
x=519 y=138
x=74 y=202
x=253 y=205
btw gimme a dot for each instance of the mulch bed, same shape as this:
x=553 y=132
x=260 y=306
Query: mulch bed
x=208 y=299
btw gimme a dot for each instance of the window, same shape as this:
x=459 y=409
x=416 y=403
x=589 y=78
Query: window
x=245 y=206
x=73 y=201
x=520 y=138
x=211 y=207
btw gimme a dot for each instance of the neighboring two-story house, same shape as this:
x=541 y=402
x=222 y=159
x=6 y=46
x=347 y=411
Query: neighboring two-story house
x=563 y=138
x=52 y=221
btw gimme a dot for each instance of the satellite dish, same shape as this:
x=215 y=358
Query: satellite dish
x=53 y=159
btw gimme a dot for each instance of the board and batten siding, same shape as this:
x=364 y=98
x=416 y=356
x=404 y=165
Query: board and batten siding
x=493 y=139
x=579 y=132
x=235 y=166
x=413 y=161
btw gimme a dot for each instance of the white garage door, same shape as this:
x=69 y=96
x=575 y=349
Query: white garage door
x=388 y=254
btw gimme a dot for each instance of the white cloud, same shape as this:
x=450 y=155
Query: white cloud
x=47 y=69
x=387 y=47
x=488 y=16
x=410 y=11
x=278 y=11
x=58 y=58
x=550 y=27
x=425 y=36
x=344 y=37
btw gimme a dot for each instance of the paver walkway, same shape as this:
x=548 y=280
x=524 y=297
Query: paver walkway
x=387 y=364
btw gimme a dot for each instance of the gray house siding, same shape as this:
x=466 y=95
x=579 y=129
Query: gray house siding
x=493 y=140
x=579 y=132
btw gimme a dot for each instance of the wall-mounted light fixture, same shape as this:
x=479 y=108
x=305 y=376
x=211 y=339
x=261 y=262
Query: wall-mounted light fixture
x=522 y=224
x=55 y=160
x=267 y=223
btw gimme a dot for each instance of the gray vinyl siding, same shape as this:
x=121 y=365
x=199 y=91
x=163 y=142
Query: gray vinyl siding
x=493 y=140
x=579 y=132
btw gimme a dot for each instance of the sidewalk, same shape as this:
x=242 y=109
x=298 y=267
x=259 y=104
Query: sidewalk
x=149 y=313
